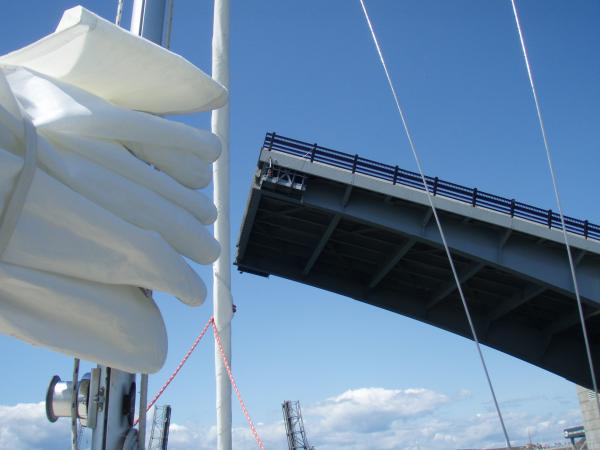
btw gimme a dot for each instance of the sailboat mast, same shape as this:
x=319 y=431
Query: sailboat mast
x=222 y=300
x=148 y=19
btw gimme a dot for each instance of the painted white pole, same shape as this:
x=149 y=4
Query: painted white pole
x=148 y=19
x=222 y=300
x=142 y=411
x=137 y=12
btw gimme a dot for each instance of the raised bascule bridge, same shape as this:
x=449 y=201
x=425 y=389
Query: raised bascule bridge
x=365 y=230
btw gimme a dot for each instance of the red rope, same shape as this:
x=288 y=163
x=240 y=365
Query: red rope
x=235 y=387
x=178 y=368
x=238 y=394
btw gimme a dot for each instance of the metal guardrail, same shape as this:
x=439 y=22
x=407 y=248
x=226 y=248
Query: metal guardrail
x=395 y=175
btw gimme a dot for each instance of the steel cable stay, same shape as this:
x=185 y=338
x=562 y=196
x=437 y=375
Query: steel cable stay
x=437 y=219
x=557 y=198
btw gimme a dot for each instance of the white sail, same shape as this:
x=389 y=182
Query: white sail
x=105 y=60
x=99 y=322
x=113 y=157
x=58 y=106
x=62 y=232
x=109 y=205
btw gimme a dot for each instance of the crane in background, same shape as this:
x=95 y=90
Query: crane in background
x=294 y=426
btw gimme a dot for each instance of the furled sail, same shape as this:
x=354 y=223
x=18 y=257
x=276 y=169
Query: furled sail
x=105 y=60
x=98 y=196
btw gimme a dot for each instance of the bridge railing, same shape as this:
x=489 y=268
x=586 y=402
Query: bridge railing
x=396 y=175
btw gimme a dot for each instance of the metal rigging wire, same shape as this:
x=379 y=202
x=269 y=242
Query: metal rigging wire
x=558 y=203
x=437 y=219
x=119 y=12
x=74 y=395
x=169 y=24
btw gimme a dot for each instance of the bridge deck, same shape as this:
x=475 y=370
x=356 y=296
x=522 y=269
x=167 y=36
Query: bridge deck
x=364 y=230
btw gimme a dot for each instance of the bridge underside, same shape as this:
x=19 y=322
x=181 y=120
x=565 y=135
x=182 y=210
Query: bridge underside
x=377 y=243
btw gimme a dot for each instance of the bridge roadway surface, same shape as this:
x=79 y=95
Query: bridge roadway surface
x=314 y=218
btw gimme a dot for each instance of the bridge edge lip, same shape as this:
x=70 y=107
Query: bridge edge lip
x=414 y=195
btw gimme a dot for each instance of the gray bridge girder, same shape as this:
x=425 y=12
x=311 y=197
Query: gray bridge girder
x=376 y=243
x=519 y=255
x=513 y=338
x=450 y=286
x=392 y=261
x=515 y=301
x=322 y=242
x=567 y=322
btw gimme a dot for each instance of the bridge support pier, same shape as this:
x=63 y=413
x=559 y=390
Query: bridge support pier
x=591 y=417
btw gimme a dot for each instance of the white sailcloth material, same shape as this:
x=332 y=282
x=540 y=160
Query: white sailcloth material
x=105 y=60
x=77 y=317
x=111 y=206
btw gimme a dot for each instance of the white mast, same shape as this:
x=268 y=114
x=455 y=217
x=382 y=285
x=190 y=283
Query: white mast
x=222 y=300
x=149 y=24
x=148 y=19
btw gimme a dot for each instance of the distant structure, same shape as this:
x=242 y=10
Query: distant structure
x=532 y=446
x=294 y=426
x=159 y=436
x=577 y=437
x=591 y=420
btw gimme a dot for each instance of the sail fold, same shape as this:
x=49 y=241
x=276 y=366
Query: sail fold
x=111 y=209
x=93 y=54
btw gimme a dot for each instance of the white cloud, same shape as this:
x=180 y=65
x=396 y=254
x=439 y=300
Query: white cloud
x=369 y=410
x=24 y=427
x=192 y=437
x=357 y=419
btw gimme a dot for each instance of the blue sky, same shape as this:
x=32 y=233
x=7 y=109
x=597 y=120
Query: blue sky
x=309 y=70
